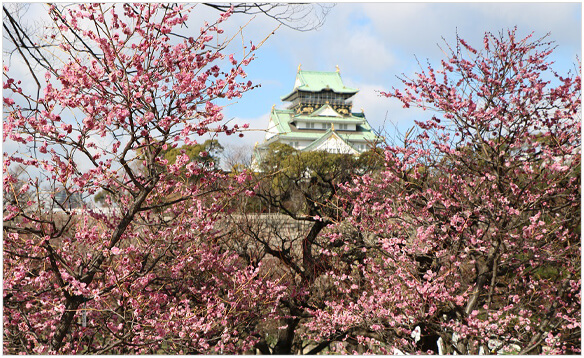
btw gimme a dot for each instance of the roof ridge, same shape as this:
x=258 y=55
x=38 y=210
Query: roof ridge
x=331 y=72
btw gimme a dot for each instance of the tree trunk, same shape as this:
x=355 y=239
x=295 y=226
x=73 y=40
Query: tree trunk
x=307 y=258
x=64 y=324
x=285 y=343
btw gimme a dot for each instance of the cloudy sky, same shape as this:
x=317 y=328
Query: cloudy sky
x=372 y=43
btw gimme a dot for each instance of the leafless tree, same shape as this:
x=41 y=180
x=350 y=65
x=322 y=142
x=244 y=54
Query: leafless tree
x=297 y=16
x=236 y=157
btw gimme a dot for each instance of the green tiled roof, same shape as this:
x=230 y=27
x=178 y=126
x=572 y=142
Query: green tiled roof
x=306 y=135
x=323 y=109
x=315 y=81
x=348 y=120
x=282 y=119
x=291 y=116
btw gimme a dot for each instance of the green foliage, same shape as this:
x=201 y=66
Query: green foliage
x=100 y=197
x=371 y=160
x=305 y=182
x=282 y=159
x=206 y=152
x=288 y=166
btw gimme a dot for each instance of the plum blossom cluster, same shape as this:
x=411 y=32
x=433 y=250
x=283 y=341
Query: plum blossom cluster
x=475 y=221
x=149 y=276
x=465 y=239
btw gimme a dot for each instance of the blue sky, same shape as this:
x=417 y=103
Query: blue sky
x=374 y=42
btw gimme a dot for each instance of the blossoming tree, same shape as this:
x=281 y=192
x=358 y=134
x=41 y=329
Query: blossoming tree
x=122 y=86
x=466 y=242
x=469 y=235
x=474 y=225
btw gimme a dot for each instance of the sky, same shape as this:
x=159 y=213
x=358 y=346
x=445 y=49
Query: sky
x=373 y=43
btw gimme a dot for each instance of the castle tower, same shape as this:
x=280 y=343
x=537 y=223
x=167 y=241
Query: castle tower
x=319 y=116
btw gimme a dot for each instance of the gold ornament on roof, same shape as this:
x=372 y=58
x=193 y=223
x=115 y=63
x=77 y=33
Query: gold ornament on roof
x=338 y=70
x=273 y=107
x=332 y=126
x=299 y=67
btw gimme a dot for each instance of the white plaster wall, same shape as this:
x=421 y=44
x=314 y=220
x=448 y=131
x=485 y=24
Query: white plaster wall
x=336 y=145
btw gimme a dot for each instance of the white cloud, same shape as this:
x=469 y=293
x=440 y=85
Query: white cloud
x=411 y=29
x=372 y=43
x=384 y=114
x=254 y=133
x=367 y=53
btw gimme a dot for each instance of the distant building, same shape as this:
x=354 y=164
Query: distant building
x=319 y=117
x=69 y=201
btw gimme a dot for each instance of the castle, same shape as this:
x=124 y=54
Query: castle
x=320 y=117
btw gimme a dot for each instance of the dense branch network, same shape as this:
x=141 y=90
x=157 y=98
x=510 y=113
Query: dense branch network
x=298 y=16
x=465 y=238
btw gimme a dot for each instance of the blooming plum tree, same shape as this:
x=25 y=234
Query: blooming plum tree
x=468 y=234
x=148 y=277
x=467 y=239
x=475 y=221
x=280 y=217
